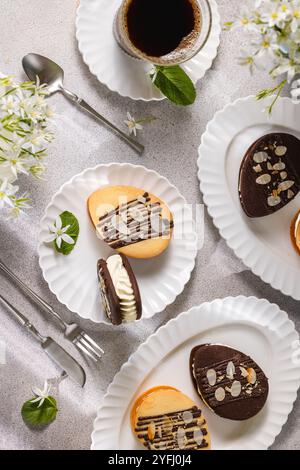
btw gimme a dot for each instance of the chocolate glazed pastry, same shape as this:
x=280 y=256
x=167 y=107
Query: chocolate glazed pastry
x=119 y=290
x=270 y=174
x=229 y=382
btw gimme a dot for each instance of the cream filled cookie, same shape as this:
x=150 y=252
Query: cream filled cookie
x=163 y=418
x=131 y=220
x=119 y=290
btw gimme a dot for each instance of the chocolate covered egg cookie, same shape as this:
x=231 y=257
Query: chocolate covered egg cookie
x=131 y=220
x=163 y=418
x=270 y=174
x=228 y=381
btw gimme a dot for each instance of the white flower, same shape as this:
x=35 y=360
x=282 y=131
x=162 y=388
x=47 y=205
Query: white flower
x=58 y=233
x=8 y=104
x=36 y=140
x=286 y=66
x=132 y=124
x=250 y=60
x=7 y=190
x=295 y=14
x=24 y=137
x=15 y=162
x=41 y=395
x=31 y=110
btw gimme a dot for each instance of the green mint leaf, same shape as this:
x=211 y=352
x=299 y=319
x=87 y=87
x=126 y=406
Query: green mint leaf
x=34 y=415
x=175 y=84
x=68 y=218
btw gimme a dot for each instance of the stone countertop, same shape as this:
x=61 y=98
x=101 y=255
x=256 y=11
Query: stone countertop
x=48 y=28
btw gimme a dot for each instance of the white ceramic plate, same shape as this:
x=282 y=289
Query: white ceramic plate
x=73 y=278
x=117 y=70
x=263 y=244
x=253 y=326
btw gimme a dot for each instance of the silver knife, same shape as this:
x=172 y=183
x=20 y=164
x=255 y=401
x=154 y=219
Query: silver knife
x=63 y=359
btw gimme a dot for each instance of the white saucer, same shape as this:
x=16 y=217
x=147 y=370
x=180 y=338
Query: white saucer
x=117 y=70
x=263 y=244
x=73 y=278
x=254 y=327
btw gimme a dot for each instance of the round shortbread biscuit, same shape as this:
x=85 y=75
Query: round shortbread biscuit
x=103 y=202
x=163 y=418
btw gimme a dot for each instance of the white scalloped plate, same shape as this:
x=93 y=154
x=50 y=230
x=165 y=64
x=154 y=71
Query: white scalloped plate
x=253 y=326
x=73 y=278
x=263 y=244
x=117 y=70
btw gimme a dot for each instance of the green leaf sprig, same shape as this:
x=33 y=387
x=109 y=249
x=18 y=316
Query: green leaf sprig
x=175 y=84
x=68 y=218
x=34 y=414
x=63 y=233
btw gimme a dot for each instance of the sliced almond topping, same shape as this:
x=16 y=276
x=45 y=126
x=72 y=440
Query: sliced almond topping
x=260 y=157
x=151 y=431
x=283 y=175
x=257 y=169
x=244 y=371
x=220 y=394
x=263 y=179
x=230 y=370
x=285 y=185
x=251 y=376
x=236 y=388
x=211 y=377
x=187 y=417
x=280 y=150
x=279 y=166
x=274 y=201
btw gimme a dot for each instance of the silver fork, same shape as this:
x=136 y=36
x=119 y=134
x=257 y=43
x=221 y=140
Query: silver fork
x=72 y=331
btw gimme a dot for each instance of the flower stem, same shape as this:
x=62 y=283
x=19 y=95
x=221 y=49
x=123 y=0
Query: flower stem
x=270 y=91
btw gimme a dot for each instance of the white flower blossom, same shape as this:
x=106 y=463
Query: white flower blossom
x=275 y=38
x=132 y=124
x=41 y=394
x=58 y=233
x=7 y=190
x=25 y=116
x=15 y=162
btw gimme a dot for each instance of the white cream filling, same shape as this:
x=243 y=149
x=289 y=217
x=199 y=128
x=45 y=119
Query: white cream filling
x=123 y=288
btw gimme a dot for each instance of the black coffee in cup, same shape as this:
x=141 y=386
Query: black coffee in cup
x=163 y=32
x=158 y=27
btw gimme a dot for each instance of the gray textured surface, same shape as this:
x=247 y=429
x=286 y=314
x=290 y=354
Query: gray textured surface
x=47 y=27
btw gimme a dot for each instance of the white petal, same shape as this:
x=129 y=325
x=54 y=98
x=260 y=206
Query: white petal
x=35 y=400
x=41 y=402
x=52 y=228
x=58 y=223
x=50 y=238
x=66 y=238
x=37 y=391
x=58 y=242
x=65 y=229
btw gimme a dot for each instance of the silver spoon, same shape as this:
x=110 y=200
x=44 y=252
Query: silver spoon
x=53 y=75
